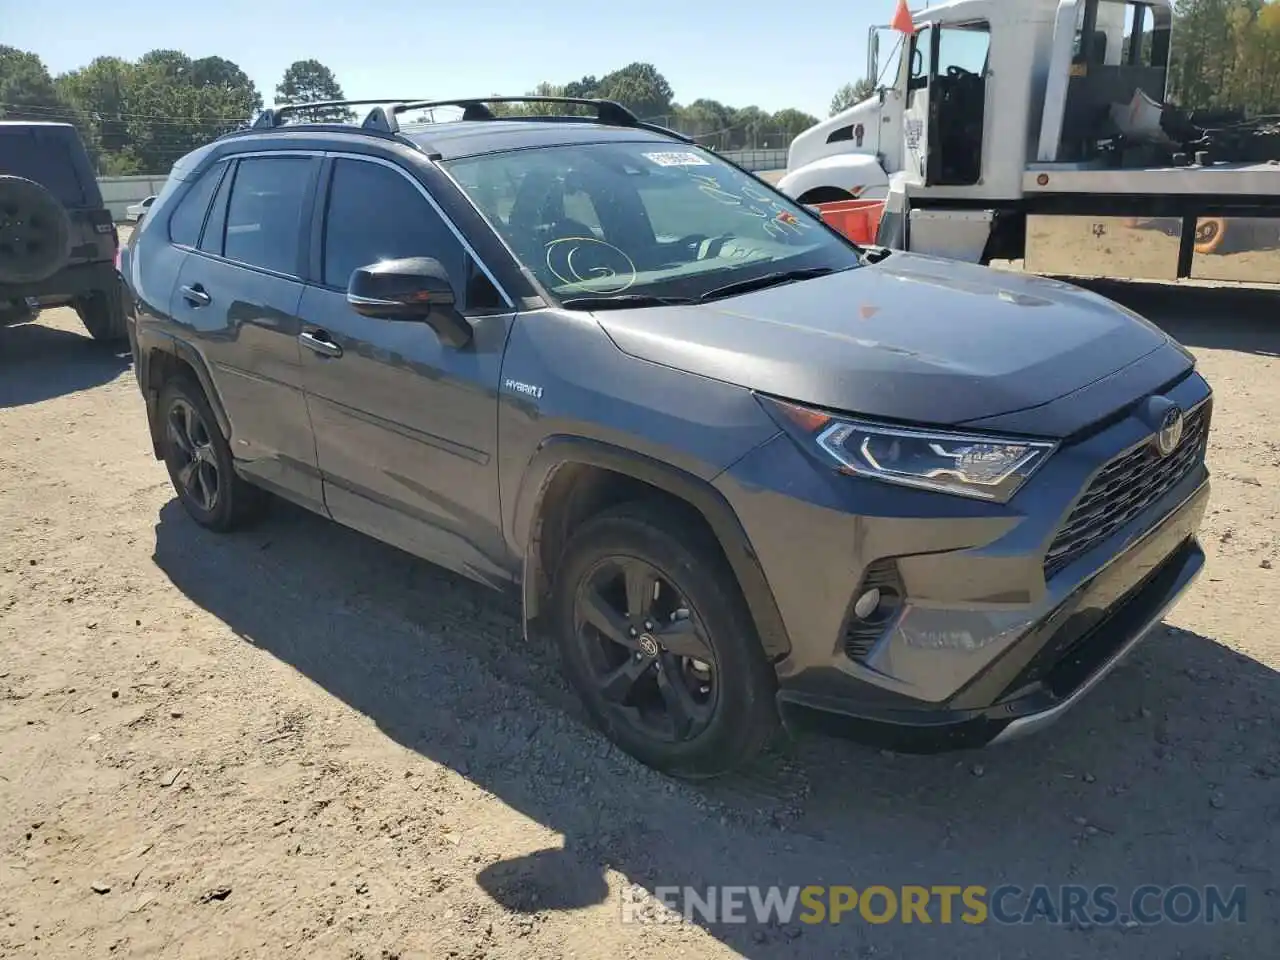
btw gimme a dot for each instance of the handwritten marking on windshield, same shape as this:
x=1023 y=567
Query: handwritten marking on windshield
x=590 y=264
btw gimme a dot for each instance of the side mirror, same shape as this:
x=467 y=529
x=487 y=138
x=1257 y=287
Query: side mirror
x=415 y=289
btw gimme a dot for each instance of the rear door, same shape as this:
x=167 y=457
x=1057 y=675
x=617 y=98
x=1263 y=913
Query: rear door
x=237 y=298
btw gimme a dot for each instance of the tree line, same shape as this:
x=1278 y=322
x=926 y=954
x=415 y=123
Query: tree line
x=140 y=116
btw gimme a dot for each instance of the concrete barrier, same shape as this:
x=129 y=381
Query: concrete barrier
x=119 y=192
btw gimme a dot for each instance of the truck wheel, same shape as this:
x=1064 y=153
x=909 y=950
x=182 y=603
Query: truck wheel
x=102 y=313
x=656 y=639
x=1211 y=233
x=35 y=232
x=199 y=460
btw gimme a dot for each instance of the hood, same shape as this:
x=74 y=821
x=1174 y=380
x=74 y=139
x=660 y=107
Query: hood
x=910 y=338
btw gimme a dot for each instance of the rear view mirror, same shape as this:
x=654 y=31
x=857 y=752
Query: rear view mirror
x=415 y=288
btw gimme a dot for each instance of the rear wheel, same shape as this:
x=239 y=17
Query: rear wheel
x=656 y=639
x=199 y=460
x=102 y=313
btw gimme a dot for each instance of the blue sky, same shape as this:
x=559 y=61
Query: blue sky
x=736 y=51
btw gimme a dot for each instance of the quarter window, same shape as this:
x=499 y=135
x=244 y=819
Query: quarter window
x=265 y=212
x=188 y=216
x=215 y=227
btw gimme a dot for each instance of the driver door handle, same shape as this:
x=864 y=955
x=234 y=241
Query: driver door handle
x=319 y=342
x=195 y=295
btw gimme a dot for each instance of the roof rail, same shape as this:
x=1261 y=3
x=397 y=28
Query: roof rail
x=608 y=112
x=274 y=116
x=383 y=117
x=474 y=108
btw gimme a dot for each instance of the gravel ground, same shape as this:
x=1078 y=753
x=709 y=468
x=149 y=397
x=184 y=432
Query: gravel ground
x=296 y=741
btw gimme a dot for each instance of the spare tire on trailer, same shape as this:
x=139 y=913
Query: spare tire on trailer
x=1211 y=233
x=35 y=232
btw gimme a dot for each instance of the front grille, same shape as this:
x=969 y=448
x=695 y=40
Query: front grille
x=1124 y=488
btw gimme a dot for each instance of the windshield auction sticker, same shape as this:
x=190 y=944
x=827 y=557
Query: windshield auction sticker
x=675 y=159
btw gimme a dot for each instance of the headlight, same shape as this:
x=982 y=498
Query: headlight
x=970 y=465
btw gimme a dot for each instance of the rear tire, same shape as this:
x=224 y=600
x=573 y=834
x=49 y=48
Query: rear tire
x=687 y=646
x=199 y=460
x=102 y=313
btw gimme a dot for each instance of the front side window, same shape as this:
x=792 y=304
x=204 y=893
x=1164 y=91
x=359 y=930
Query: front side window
x=375 y=213
x=264 y=214
x=642 y=218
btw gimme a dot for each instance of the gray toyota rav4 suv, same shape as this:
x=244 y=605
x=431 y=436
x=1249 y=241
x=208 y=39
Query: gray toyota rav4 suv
x=741 y=469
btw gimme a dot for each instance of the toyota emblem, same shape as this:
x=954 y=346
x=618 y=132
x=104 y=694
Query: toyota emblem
x=1170 y=433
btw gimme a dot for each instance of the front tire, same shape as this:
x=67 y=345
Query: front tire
x=199 y=460
x=657 y=641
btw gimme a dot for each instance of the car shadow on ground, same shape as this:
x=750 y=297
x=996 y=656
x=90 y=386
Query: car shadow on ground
x=1166 y=774
x=39 y=362
x=1217 y=318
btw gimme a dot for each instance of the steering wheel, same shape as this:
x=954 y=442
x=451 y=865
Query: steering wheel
x=960 y=73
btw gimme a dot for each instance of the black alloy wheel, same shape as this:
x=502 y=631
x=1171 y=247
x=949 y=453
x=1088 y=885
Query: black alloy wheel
x=651 y=659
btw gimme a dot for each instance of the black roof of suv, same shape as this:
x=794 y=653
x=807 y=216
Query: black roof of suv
x=57 y=240
x=740 y=467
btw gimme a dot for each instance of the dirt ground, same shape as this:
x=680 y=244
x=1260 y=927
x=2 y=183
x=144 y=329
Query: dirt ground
x=298 y=742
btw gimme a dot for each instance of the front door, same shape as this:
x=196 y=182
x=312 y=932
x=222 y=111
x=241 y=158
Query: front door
x=915 y=124
x=405 y=426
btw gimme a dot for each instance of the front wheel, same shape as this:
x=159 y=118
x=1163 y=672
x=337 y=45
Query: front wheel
x=656 y=639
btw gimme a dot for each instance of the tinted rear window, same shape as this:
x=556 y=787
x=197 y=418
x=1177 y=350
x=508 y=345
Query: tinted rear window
x=45 y=157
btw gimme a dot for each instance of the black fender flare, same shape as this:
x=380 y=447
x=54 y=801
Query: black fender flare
x=148 y=346
x=556 y=452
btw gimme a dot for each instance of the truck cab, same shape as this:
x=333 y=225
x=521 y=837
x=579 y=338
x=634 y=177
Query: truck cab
x=1037 y=130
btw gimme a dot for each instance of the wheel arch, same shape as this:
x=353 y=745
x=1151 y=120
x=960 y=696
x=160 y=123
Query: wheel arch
x=168 y=357
x=571 y=479
x=857 y=174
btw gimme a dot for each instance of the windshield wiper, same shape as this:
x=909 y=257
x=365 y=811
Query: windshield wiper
x=625 y=301
x=760 y=283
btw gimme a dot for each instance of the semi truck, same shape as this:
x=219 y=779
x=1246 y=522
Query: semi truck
x=1037 y=130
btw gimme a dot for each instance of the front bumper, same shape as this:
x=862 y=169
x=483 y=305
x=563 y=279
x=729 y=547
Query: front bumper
x=989 y=643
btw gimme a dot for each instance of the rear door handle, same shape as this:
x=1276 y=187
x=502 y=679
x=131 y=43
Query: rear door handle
x=320 y=343
x=195 y=294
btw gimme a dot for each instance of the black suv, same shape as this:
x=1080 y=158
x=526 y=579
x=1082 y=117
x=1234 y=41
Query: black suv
x=741 y=467
x=58 y=243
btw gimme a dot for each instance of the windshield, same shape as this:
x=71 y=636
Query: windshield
x=639 y=220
